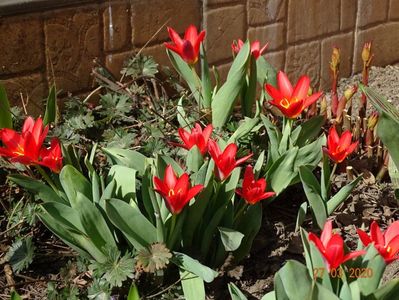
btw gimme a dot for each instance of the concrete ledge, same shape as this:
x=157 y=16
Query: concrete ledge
x=13 y=7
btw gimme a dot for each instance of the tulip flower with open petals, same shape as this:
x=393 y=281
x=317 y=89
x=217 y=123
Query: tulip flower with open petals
x=225 y=162
x=386 y=243
x=331 y=247
x=197 y=137
x=52 y=157
x=338 y=148
x=256 y=51
x=291 y=101
x=176 y=191
x=252 y=190
x=25 y=147
x=188 y=48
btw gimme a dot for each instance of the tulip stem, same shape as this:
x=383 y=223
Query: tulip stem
x=332 y=172
x=171 y=232
x=47 y=178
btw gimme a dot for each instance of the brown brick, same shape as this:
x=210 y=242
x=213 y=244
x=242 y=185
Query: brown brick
x=394 y=10
x=224 y=25
x=303 y=59
x=116 y=21
x=272 y=34
x=216 y=2
x=21 y=41
x=115 y=62
x=32 y=87
x=72 y=42
x=148 y=16
x=276 y=59
x=385 y=44
x=266 y=11
x=348 y=14
x=345 y=43
x=312 y=18
x=371 y=11
x=159 y=54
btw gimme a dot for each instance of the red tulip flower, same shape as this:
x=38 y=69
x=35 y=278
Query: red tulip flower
x=338 y=148
x=225 y=162
x=176 y=191
x=25 y=147
x=331 y=247
x=197 y=137
x=188 y=48
x=252 y=190
x=291 y=101
x=52 y=157
x=255 y=48
x=386 y=243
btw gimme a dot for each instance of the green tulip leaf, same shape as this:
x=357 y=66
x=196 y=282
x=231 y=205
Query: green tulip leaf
x=128 y=158
x=73 y=182
x=50 y=115
x=125 y=182
x=231 y=238
x=224 y=100
x=192 y=265
x=193 y=286
x=134 y=225
x=312 y=190
x=235 y=292
x=342 y=195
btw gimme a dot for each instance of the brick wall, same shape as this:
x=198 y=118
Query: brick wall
x=59 y=45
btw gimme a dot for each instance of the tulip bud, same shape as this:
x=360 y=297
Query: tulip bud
x=335 y=59
x=350 y=92
x=366 y=53
x=372 y=121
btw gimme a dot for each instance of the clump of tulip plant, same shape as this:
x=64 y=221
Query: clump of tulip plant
x=198 y=207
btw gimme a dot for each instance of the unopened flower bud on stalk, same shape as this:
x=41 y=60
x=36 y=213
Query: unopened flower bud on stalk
x=366 y=53
x=349 y=92
x=335 y=59
x=372 y=121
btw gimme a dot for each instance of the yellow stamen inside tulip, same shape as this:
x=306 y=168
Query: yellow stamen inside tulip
x=20 y=151
x=171 y=192
x=389 y=249
x=285 y=103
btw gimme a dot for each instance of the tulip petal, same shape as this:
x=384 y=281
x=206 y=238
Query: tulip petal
x=326 y=234
x=284 y=85
x=352 y=255
x=352 y=148
x=28 y=124
x=273 y=92
x=376 y=234
x=191 y=34
x=315 y=239
x=393 y=248
x=312 y=99
x=345 y=140
x=248 y=177
x=333 y=138
x=301 y=88
x=185 y=137
x=170 y=179
x=335 y=251
x=243 y=159
x=194 y=191
x=364 y=237
x=391 y=232
x=174 y=36
x=198 y=42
